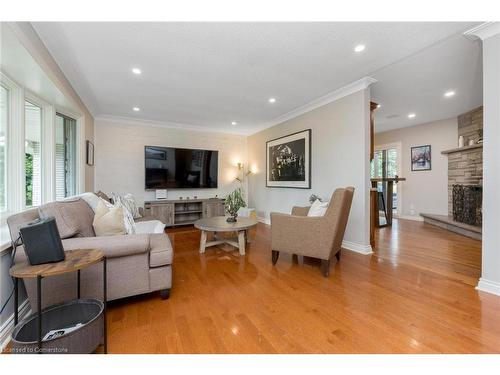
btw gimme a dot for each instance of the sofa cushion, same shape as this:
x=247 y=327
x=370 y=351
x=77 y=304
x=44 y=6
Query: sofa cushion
x=161 y=252
x=149 y=226
x=74 y=217
x=113 y=246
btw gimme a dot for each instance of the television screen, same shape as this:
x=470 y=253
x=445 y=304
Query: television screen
x=180 y=168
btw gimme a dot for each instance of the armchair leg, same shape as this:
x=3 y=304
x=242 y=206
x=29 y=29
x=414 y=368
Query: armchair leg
x=274 y=256
x=325 y=267
x=165 y=293
x=338 y=255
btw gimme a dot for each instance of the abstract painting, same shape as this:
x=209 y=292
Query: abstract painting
x=289 y=161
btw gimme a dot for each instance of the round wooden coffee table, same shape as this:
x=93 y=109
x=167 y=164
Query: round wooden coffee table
x=219 y=224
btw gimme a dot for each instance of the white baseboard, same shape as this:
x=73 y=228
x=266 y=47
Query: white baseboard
x=263 y=220
x=357 y=247
x=409 y=217
x=7 y=328
x=488 y=286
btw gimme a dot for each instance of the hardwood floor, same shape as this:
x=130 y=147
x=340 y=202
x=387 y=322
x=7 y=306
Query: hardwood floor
x=414 y=295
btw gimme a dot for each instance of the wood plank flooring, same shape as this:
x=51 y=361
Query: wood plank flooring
x=415 y=294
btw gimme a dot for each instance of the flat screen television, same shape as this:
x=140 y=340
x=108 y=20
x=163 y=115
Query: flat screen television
x=180 y=168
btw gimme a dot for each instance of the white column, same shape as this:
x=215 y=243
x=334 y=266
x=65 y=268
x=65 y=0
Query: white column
x=489 y=33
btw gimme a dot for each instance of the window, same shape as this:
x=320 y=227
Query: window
x=4 y=125
x=33 y=154
x=65 y=156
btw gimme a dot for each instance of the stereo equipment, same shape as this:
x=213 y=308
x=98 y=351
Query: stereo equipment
x=42 y=242
x=161 y=193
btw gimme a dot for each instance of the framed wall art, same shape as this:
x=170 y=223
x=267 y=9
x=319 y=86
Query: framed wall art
x=288 y=161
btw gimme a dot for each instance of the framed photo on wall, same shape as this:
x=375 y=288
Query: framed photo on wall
x=288 y=161
x=90 y=153
x=421 y=158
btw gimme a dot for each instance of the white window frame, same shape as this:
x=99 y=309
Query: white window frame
x=15 y=147
x=16 y=189
x=80 y=147
x=47 y=147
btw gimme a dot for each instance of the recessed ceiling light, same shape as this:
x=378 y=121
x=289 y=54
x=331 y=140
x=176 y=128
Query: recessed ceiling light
x=233 y=123
x=136 y=71
x=136 y=109
x=359 y=48
x=411 y=115
x=272 y=100
x=449 y=94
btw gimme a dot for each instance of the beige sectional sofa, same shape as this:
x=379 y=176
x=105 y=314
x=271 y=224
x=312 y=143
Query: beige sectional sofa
x=136 y=264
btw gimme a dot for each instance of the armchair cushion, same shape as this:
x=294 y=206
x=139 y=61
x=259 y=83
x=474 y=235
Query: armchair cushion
x=300 y=235
x=300 y=211
x=113 y=246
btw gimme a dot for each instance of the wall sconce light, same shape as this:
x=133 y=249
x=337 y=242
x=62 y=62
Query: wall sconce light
x=243 y=173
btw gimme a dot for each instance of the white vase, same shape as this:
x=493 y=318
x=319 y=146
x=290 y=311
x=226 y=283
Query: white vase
x=461 y=141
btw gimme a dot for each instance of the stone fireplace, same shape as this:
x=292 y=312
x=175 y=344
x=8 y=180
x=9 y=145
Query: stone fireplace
x=465 y=179
x=465 y=170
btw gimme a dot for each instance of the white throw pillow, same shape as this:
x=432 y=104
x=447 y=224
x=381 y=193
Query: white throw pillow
x=128 y=220
x=318 y=208
x=108 y=221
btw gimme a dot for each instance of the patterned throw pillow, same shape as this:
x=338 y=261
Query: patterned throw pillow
x=129 y=202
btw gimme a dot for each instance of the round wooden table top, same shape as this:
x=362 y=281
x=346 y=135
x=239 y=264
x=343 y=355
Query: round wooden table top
x=75 y=260
x=219 y=224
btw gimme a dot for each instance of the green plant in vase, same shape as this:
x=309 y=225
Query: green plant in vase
x=234 y=201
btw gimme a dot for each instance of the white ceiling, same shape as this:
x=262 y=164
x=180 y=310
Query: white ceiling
x=417 y=84
x=210 y=74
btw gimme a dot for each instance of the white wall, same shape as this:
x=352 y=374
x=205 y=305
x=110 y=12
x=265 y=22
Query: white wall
x=119 y=156
x=424 y=191
x=490 y=277
x=340 y=158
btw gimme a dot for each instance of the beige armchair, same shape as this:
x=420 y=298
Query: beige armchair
x=316 y=237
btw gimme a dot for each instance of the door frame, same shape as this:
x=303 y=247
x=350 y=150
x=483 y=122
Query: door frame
x=399 y=148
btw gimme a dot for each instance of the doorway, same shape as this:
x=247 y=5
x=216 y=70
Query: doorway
x=387 y=164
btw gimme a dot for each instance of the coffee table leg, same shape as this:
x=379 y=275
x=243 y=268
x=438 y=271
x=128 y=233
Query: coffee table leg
x=241 y=242
x=203 y=241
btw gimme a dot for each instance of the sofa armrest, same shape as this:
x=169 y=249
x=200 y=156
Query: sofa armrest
x=300 y=235
x=300 y=211
x=113 y=246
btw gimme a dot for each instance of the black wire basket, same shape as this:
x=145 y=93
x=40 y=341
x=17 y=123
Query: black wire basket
x=84 y=339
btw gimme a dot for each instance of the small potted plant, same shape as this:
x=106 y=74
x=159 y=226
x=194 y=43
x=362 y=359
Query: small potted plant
x=234 y=201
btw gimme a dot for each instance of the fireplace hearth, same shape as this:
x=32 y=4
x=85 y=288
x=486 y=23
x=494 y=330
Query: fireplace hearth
x=467 y=204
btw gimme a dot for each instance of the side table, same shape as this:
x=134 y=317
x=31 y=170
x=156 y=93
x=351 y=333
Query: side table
x=75 y=261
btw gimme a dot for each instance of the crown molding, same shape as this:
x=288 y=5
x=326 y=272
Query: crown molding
x=483 y=31
x=161 y=124
x=349 y=89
